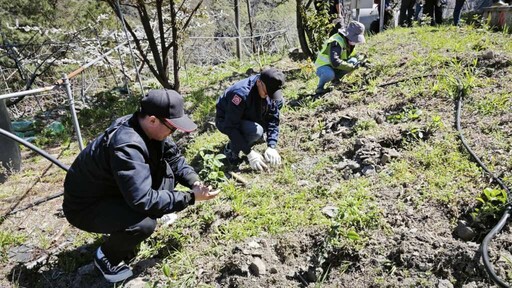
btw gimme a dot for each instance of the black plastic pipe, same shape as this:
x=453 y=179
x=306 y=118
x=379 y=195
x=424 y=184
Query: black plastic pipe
x=45 y=155
x=484 y=246
x=33 y=148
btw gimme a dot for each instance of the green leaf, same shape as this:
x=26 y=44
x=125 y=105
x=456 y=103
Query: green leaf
x=220 y=156
x=166 y=270
x=352 y=235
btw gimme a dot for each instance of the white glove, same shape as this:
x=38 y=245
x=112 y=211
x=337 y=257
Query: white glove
x=353 y=61
x=256 y=161
x=272 y=156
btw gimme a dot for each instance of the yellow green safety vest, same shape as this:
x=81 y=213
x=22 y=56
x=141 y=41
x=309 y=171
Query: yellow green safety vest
x=324 y=58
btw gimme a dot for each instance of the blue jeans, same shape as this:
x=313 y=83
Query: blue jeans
x=456 y=11
x=417 y=11
x=326 y=73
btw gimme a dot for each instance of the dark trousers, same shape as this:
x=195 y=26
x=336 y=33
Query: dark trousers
x=434 y=11
x=406 y=13
x=251 y=131
x=457 y=10
x=127 y=227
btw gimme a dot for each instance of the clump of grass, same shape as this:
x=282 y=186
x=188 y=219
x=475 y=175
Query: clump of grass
x=9 y=239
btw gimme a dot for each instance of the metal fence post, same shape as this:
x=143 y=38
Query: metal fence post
x=237 y=25
x=382 y=9
x=73 y=111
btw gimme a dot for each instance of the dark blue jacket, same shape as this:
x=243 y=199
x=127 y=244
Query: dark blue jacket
x=242 y=102
x=124 y=163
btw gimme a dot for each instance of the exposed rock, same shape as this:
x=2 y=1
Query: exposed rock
x=465 y=232
x=136 y=283
x=20 y=254
x=257 y=267
x=254 y=244
x=352 y=165
x=330 y=211
x=388 y=154
x=489 y=54
x=379 y=119
x=368 y=170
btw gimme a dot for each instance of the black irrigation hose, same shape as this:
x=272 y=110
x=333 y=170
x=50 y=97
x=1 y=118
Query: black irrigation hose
x=42 y=153
x=484 y=247
x=508 y=208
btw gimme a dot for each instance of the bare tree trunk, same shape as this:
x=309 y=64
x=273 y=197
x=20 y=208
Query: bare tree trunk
x=301 y=15
x=10 y=156
x=250 y=26
x=175 y=47
x=237 y=24
x=158 y=43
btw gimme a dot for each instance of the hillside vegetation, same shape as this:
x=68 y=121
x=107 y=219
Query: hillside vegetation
x=375 y=190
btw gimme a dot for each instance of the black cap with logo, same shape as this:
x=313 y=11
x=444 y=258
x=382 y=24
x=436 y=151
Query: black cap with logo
x=167 y=105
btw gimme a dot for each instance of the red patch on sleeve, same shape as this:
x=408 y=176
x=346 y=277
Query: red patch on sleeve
x=236 y=100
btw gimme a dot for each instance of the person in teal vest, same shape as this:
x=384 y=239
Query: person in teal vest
x=337 y=57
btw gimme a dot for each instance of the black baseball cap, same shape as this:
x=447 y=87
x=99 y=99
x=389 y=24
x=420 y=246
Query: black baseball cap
x=274 y=81
x=167 y=105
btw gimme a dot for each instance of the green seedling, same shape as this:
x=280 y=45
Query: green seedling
x=212 y=165
x=408 y=113
x=492 y=201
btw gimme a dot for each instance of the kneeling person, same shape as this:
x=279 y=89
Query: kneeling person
x=246 y=111
x=124 y=180
x=338 y=57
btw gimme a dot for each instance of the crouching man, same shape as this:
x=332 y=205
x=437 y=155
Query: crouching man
x=124 y=180
x=246 y=111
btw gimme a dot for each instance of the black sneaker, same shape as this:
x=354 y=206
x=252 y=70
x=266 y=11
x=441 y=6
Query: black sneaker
x=231 y=157
x=112 y=273
x=322 y=91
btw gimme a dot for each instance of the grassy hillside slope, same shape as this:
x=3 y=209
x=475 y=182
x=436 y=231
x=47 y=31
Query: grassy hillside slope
x=375 y=189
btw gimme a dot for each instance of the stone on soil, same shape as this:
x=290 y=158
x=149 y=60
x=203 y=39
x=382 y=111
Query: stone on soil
x=257 y=267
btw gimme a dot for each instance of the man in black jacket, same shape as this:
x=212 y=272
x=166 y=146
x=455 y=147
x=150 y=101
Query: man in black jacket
x=124 y=180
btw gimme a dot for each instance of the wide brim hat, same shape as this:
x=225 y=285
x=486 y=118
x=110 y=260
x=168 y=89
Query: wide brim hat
x=354 y=32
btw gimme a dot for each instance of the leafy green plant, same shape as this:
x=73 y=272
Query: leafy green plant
x=492 y=201
x=212 y=165
x=494 y=104
x=52 y=133
x=435 y=124
x=408 y=113
x=416 y=133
